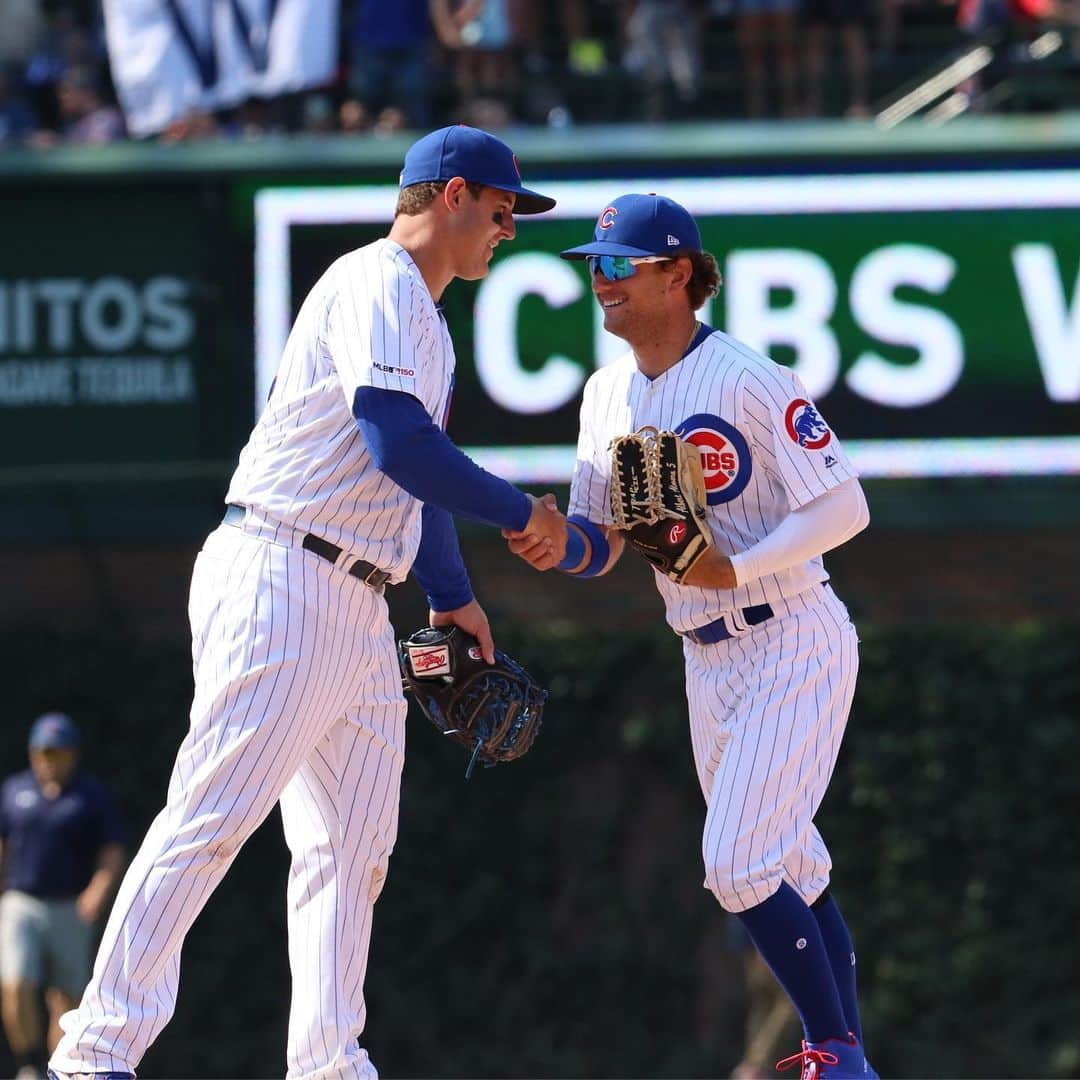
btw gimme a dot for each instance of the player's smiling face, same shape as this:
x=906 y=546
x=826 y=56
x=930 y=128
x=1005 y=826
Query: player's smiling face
x=634 y=307
x=482 y=225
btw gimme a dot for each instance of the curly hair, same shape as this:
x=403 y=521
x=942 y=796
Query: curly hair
x=704 y=279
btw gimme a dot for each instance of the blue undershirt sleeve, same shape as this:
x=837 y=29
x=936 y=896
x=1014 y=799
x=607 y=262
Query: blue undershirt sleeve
x=418 y=456
x=438 y=565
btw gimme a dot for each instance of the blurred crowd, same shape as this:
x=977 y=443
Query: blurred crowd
x=493 y=63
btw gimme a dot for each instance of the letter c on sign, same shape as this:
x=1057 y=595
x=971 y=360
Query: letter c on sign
x=498 y=364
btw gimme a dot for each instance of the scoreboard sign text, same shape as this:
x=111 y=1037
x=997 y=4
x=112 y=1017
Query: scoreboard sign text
x=934 y=318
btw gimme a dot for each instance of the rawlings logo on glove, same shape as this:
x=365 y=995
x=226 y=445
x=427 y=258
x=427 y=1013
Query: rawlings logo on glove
x=493 y=710
x=658 y=499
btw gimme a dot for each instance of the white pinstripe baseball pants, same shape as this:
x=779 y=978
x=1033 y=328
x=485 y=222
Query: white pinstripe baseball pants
x=298 y=699
x=768 y=710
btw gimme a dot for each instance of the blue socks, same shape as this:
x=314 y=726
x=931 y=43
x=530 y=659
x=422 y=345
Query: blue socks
x=787 y=934
x=834 y=933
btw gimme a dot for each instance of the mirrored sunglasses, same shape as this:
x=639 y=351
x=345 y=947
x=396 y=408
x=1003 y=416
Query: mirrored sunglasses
x=620 y=267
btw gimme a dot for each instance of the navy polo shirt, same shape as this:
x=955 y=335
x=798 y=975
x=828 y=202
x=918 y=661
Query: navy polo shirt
x=404 y=24
x=51 y=846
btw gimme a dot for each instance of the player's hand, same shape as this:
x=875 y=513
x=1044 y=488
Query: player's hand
x=542 y=543
x=711 y=571
x=472 y=619
x=535 y=550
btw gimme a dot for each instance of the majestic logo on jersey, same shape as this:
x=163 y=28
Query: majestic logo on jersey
x=725 y=457
x=805 y=426
x=434 y=660
x=607 y=218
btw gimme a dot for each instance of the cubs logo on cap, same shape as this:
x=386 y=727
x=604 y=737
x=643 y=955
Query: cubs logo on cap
x=638 y=225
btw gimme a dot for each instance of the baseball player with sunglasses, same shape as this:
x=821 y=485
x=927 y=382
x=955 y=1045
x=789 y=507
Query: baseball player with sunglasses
x=771 y=654
x=347 y=482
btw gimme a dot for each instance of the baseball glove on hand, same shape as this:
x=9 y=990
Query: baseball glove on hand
x=493 y=710
x=658 y=499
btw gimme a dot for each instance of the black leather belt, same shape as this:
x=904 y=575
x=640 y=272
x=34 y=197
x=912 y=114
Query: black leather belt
x=365 y=571
x=711 y=633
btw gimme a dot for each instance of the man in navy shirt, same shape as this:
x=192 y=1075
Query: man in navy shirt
x=62 y=848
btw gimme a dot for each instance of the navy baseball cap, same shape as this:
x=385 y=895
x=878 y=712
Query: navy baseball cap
x=641 y=225
x=54 y=730
x=475 y=156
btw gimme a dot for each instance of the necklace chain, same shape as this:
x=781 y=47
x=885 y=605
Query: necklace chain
x=693 y=334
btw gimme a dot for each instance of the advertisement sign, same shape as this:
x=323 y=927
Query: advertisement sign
x=104 y=334
x=934 y=317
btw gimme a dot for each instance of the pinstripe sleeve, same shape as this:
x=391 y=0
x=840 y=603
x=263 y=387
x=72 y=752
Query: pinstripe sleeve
x=795 y=443
x=378 y=331
x=591 y=482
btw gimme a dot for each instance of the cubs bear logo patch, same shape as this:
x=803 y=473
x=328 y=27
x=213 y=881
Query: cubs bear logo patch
x=805 y=426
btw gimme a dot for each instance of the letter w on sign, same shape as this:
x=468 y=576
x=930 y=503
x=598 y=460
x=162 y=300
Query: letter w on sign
x=173 y=57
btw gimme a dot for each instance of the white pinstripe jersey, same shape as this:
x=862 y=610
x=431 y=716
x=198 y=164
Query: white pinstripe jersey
x=369 y=321
x=765 y=451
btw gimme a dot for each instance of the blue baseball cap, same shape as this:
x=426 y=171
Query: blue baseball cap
x=54 y=730
x=641 y=225
x=475 y=156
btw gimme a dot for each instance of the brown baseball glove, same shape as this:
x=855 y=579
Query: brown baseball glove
x=658 y=499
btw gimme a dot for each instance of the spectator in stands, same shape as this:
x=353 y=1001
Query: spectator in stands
x=583 y=50
x=390 y=58
x=662 y=48
x=317 y=115
x=85 y=117
x=61 y=842
x=65 y=43
x=353 y=118
x=553 y=41
x=16 y=119
x=888 y=29
x=1007 y=23
x=766 y=35
x=390 y=121
x=850 y=17
x=478 y=32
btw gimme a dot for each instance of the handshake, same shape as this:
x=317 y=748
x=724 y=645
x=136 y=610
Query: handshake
x=542 y=543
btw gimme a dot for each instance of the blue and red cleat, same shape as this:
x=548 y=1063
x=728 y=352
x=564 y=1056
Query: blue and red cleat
x=833 y=1059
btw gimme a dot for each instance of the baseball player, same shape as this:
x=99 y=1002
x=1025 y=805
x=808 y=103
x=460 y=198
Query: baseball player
x=770 y=652
x=346 y=483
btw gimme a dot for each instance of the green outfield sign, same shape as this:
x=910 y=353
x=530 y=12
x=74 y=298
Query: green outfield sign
x=934 y=317
x=104 y=335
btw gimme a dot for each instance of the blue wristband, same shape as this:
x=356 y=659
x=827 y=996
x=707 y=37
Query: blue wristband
x=601 y=549
x=575 y=550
